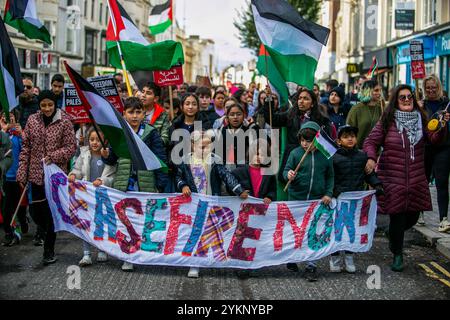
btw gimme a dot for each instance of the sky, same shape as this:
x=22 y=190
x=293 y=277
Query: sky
x=213 y=19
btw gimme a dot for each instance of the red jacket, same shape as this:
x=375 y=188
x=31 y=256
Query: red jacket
x=56 y=141
x=404 y=181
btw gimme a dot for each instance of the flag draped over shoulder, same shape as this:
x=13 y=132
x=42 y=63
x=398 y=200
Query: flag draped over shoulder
x=22 y=15
x=293 y=43
x=137 y=52
x=267 y=68
x=11 y=85
x=160 y=18
x=124 y=141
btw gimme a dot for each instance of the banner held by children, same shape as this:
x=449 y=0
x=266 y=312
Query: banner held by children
x=206 y=231
x=105 y=85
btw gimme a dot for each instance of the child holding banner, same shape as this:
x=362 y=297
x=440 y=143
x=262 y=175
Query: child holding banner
x=314 y=179
x=127 y=178
x=349 y=175
x=201 y=172
x=90 y=167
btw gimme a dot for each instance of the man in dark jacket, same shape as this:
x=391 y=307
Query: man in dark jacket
x=28 y=103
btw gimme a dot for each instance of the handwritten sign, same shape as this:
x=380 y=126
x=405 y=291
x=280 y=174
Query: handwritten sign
x=105 y=85
x=172 y=77
x=417 y=59
x=207 y=231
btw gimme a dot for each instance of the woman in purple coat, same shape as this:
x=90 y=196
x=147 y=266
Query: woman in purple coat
x=402 y=134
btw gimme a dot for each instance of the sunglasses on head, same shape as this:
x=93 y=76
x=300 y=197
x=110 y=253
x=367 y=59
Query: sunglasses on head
x=404 y=97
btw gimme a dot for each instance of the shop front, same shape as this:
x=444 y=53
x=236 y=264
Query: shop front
x=443 y=52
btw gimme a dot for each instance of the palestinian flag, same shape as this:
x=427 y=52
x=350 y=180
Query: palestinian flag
x=137 y=53
x=293 y=43
x=11 y=85
x=22 y=15
x=325 y=144
x=160 y=18
x=124 y=141
x=267 y=68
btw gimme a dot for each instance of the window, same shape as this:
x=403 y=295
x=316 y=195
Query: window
x=89 y=52
x=48 y=26
x=92 y=9
x=100 y=15
x=428 y=13
x=389 y=20
x=85 y=8
x=70 y=41
x=106 y=14
x=69 y=3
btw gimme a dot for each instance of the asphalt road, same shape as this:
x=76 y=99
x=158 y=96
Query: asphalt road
x=22 y=276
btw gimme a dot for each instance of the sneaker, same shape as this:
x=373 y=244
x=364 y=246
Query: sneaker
x=292 y=266
x=128 y=267
x=444 y=226
x=193 y=272
x=49 y=260
x=85 y=261
x=397 y=265
x=102 y=256
x=421 y=221
x=335 y=264
x=311 y=274
x=10 y=241
x=349 y=264
x=38 y=241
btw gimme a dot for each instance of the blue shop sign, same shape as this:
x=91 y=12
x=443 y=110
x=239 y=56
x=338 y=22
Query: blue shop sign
x=403 y=55
x=443 y=44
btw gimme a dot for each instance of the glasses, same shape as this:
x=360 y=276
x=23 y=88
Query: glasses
x=28 y=87
x=431 y=88
x=403 y=97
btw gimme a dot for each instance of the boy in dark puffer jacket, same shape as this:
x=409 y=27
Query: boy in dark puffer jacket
x=349 y=173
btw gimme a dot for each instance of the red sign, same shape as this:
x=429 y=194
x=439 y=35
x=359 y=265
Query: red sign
x=105 y=85
x=172 y=77
x=417 y=59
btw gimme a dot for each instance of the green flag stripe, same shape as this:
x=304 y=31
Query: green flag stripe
x=28 y=29
x=160 y=28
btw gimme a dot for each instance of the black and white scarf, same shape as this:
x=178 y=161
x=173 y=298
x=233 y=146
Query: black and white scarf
x=411 y=122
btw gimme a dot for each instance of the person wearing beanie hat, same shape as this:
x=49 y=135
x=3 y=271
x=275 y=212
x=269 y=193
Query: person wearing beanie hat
x=48 y=137
x=336 y=110
x=314 y=179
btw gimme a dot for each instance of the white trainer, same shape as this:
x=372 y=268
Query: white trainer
x=193 y=272
x=127 y=267
x=349 y=264
x=444 y=226
x=102 y=256
x=85 y=261
x=335 y=264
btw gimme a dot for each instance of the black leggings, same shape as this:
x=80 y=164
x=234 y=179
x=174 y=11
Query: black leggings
x=43 y=218
x=12 y=197
x=399 y=223
x=441 y=174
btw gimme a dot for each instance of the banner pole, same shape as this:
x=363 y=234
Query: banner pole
x=267 y=76
x=171 y=103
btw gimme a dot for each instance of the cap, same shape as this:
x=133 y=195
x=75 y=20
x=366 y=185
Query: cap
x=347 y=129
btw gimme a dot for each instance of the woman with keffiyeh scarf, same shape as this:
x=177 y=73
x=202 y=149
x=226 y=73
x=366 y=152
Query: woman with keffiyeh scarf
x=402 y=134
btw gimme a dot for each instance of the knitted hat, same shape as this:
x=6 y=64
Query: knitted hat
x=310 y=125
x=340 y=92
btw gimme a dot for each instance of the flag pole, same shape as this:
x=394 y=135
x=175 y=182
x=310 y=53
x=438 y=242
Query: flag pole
x=18 y=205
x=124 y=68
x=270 y=92
x=300 y=164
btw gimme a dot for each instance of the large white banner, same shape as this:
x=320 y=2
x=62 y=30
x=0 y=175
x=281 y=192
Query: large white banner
x=208 y=231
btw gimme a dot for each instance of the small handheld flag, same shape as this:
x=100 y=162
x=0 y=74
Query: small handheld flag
x=325 y=144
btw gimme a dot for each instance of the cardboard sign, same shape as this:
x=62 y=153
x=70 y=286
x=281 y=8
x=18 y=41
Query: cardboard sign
x=105 y=85
x=172 y=77
x=417 y=59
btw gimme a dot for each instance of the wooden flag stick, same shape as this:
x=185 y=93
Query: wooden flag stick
x=300 y=164
x=18 y=205
x=270 y=91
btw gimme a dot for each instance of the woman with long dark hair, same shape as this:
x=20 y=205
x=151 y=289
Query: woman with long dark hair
x=306 y=109
x=401 y=133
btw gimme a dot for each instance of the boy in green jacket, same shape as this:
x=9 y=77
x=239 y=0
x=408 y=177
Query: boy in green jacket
x=314 y=180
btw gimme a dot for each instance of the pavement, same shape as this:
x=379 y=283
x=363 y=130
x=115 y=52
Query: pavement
x=430 y=230
x=22 y=276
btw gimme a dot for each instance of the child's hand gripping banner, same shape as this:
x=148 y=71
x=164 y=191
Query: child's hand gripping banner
x=207 y=231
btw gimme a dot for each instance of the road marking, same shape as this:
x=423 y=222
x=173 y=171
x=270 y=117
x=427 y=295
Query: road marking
x=430 y=273
x=441 y=269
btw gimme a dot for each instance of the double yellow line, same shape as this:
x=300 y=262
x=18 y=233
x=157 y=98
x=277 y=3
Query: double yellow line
x=430 y=273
